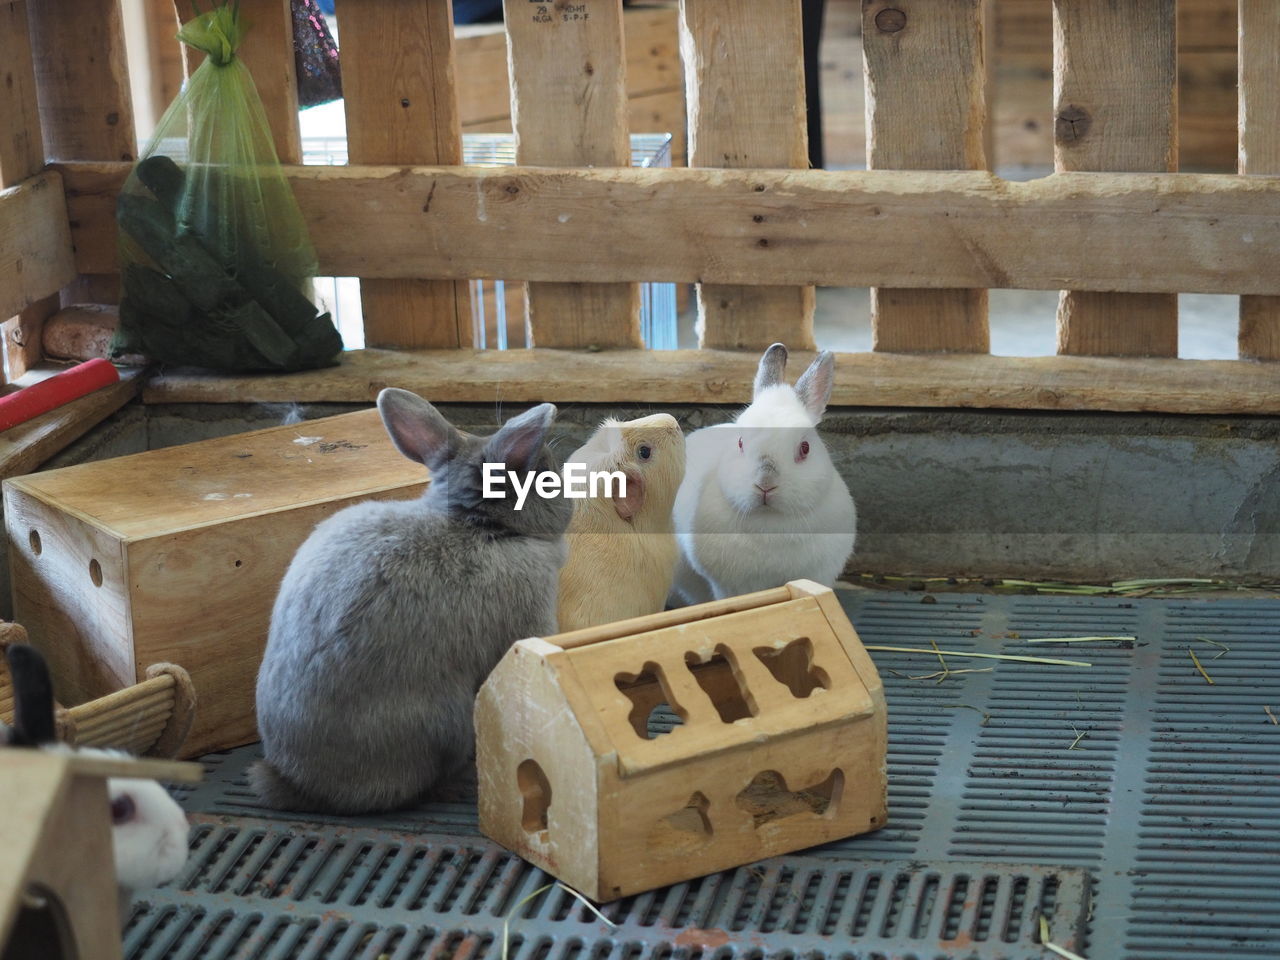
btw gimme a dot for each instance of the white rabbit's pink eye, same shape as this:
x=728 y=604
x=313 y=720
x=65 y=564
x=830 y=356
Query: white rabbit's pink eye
x=802 y=451
x=739 y=443
x=123 y=809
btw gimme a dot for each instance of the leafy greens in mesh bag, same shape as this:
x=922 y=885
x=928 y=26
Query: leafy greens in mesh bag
x=216 y=263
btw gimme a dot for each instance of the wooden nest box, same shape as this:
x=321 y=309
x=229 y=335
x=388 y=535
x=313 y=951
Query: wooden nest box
x=780 y=745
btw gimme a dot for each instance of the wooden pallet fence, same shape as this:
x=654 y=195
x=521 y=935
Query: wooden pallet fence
x=1259 y=151
x=1115 y=76
x=744 y=87
x=569 y=109
x=402 y=107
x=926 y=85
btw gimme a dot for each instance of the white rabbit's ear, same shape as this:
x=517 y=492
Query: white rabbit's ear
x=417 y=428
x=519 y=441
x=773 y=366
x=814 y=386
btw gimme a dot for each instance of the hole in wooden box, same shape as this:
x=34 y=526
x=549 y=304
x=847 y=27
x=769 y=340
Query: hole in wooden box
x=535 y=788
x=683 y=831
x=34 y=539
x=721 y=681
x=649 y=694
x=95 y=572
x=42 y=928
x=767 y=797
x=792 y=666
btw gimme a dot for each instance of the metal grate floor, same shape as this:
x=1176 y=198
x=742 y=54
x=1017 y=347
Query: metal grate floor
x=1134 y=804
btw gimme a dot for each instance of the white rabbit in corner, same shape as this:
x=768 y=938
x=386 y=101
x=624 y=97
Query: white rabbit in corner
x=761 y=502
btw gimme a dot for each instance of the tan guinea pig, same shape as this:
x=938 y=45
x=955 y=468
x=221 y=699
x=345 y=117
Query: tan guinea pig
x=622 y=549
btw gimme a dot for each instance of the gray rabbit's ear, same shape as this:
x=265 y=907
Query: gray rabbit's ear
x=519 y=441
x=814 y=386
x=418 y=429
x=33 y=720
x=773 y=366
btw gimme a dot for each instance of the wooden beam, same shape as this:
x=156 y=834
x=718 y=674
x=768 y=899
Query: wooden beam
x=715 y=376
x=268 y=53
x=21 y=156
x=398 y=86
x=36 y=258
x=926 y=110
x=24 y=448
x=569 y=109
x=21 y=146
x=1202 y=233
x=83 y=77
x=1115 y=108
x=1259 y=151
x=744 y=86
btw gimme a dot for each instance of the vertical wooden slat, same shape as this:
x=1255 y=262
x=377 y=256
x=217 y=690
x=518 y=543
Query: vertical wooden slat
x=744 y=87
x=401 y=104
x=86 y=112
x=926 y=110
x=21 y=155
x=268 y=53
x=1115 y=108
x=569 y=108
x=1260 y=150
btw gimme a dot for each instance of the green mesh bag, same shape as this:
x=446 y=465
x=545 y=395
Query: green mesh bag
x=216 y=264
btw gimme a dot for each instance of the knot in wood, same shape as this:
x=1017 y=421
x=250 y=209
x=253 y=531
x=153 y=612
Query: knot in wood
x=890 y=20
x=1071 y=125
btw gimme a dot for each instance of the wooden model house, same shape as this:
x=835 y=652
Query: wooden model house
x=780 y=745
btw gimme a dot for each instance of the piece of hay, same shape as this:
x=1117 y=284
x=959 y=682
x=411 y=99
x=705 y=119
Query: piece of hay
x=969 y=706
x=1060 y=951
x=1196 y=661
x=1225 y=648
x=984 y=656
x=1123 y=641
x=1079 y=736
x=506 y=921
x=1272 y=716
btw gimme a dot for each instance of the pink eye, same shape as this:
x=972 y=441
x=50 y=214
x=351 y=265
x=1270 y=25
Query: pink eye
x=739 y=443
x=802 y=451
x=123 y=809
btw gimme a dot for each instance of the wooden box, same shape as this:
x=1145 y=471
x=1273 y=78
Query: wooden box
x=175 y=556
x=782 y=744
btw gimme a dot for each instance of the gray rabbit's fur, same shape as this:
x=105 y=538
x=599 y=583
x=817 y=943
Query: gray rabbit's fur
x=392 y=614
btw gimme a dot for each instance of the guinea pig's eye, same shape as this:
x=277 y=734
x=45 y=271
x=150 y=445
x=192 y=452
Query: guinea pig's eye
x=123 y=809
x=644 y=451
x=739 y=443
x=802 y=451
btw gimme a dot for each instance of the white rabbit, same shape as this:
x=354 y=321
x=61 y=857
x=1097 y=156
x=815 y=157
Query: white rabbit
x=761 y=502
x=148 y=828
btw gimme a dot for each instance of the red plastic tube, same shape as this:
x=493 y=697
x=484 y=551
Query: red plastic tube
x=30 y=402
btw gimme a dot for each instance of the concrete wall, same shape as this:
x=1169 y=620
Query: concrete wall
x=1090 y=497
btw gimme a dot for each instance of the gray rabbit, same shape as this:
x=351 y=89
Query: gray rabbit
x=393 y=613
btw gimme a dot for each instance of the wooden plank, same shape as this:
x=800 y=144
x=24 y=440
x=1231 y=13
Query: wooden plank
x=267 y=51
x=569 y=109
x=926 y=110
x=36 y=258
x=21 y=146
x=398 y=82
x=1087 y=231
x=83 y=77
x=21 y=156
x=1259 y=151
x=714 y=376
x=652 y=40
x=25 y=447
x=1202 y=24
x=1115 y=108
x=744 y=87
